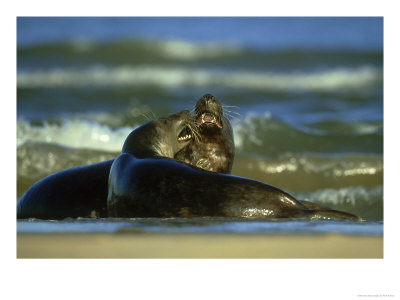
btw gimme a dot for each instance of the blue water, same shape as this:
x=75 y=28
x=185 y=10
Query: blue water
x=307 y=97
x=361 y=33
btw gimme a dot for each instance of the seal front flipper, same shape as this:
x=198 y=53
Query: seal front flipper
x=204 y=164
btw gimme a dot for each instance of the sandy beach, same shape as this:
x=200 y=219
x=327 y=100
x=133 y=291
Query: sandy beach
x=177 y=245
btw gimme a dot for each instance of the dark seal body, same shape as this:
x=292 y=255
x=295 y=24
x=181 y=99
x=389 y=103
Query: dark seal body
x=161 y=187
x=75 y=192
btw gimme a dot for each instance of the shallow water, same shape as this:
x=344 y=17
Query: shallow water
x=306 y=106
x=198 y=225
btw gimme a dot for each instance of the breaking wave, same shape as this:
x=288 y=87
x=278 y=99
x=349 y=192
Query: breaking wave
x=81 y=134
x=338 y=78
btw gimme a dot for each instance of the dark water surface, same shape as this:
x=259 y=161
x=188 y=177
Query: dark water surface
x=304 y=95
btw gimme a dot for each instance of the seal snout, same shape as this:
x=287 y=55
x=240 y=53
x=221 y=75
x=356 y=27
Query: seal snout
x=208 y=110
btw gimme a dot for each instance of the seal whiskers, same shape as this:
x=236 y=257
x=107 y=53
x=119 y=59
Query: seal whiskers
x=214 y=150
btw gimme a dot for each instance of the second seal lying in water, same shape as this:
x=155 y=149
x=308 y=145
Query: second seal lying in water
x=144 y=186
x=82 y=191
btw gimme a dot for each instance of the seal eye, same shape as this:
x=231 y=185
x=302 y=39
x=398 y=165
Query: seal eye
x=185 y=134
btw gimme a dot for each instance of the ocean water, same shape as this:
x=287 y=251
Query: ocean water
x=304 y=95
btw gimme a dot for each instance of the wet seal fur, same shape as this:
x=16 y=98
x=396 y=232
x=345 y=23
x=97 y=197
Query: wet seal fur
x=141 y=186
x=82 y=191
x=214 y=150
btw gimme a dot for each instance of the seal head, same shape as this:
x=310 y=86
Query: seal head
x=162 y=137
x=214 y=150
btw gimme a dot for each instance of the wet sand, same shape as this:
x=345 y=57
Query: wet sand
x=177 y=245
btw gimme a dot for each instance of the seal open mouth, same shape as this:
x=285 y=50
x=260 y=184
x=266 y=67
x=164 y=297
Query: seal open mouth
x=185 y=134
x=208 y=118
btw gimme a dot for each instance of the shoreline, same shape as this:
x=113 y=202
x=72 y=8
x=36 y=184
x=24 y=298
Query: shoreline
x=197 y=245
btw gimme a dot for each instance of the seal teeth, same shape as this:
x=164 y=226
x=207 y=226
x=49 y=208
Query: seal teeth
x=185 y=134
x=185 y=137
x=208 y=118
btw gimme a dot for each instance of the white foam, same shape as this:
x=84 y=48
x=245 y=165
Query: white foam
x=183 y=50
x=340 y=78
x=349 y=196
x=249 y=128
x=74 y=134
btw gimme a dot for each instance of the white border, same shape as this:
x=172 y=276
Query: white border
x=199 y=279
